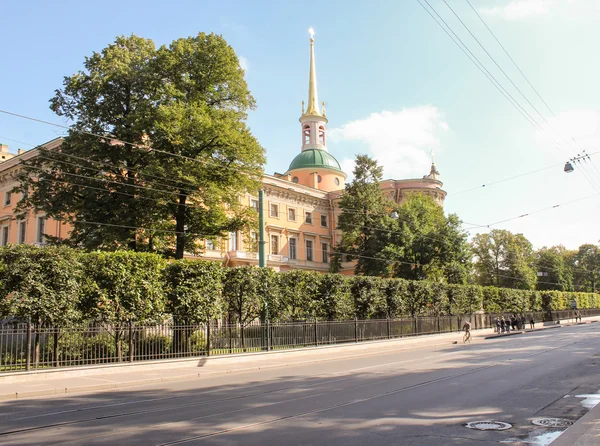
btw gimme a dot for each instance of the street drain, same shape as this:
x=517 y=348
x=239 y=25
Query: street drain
x=488 y=425
x=552 y=422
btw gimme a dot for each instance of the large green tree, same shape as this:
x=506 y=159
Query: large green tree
x=553 y=268
x=426 y=244
x=176 y=155
x=504 y=259
x=364 y=221
x=585 y=263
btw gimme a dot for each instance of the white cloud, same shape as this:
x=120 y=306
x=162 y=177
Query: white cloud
x=519 y=9
x=399 y=140
x=244 y=63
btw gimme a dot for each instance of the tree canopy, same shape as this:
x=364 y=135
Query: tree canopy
x=176 y=152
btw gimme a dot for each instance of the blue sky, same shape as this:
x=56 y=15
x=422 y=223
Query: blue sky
x=395 y=86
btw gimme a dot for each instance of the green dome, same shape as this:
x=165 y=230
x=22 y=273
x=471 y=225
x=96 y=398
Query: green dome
x=315 y=158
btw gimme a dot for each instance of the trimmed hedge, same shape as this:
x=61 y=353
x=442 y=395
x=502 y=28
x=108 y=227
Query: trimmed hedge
x=62 y=286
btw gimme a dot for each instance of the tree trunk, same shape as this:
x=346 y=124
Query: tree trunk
x=180 y=225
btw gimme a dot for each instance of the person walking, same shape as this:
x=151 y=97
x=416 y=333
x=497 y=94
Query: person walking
x=467 y=328
x=497 y=325
x=508 y=325
x=531 y=322
x=523 y=321
x=502 y=324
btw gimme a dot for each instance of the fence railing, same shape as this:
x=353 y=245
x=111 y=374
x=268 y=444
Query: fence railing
x=26 y=347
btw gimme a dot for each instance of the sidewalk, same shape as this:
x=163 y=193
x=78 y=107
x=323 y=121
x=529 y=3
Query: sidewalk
x=114 y=376
x=585 y=432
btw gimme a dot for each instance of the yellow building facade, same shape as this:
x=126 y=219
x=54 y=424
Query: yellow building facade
x=300 y=206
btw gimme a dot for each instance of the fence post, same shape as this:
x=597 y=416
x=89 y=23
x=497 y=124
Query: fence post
x=269 y=341
x=28 y=356
x=208 y=338
x=316 y=338
x=130 y=341
x=389 y=328
x=355 y=329
x=438 y=325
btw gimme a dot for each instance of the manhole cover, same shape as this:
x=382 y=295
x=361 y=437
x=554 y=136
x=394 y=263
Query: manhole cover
x=488 y=425
x=552 y=422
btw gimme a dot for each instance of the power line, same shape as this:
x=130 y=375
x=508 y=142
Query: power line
x=238 y=168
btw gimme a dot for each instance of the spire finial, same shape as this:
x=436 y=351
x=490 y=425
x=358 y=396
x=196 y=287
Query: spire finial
x=313 y=100
x=302 y=107
x=432 y=162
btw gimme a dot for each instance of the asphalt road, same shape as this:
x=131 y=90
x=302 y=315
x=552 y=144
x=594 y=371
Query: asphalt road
x=416 y=397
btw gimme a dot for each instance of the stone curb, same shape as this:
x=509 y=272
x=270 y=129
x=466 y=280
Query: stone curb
x=576 y=434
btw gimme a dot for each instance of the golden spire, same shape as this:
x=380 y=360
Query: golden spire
x=313 y=100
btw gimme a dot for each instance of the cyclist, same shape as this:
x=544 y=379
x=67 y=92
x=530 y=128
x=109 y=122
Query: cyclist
x=467 y=328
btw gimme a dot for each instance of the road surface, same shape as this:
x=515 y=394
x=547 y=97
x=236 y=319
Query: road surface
x=415 y=397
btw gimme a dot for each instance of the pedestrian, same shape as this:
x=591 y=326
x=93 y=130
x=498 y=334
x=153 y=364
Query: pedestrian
x=497 y=325
x=531 y=322
x=523 y=321
x=579 y=316
x=507 y=326
x=513 y=322
x=502 y=324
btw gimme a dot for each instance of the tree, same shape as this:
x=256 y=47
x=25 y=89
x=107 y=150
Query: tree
x=40 y=285
x=299 y=291
x=124 y=288
x=556 y=272
x=425 y=244
x=364 y=221
x=193 y=290
x=176 y=156
x=504 y=259
x=586 y=267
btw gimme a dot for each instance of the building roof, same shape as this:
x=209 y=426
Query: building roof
x=315 y=158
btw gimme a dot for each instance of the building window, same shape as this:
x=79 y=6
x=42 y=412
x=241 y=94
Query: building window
x=292 y=246
x=308 y=218
x=233 y=241
x=306 y=135
x=295 y=179
x=274 y=244
x=336 y=181
x=41 y=230
x=309 y=250
x=274 y=210
x=324 y=221
x=321 y=135
x=22 y=231
x=253 y=241
x=210 y=245
x=254 y=204
x=7 y=198
x=319 y=179
x=5 y=230
x=291 y=214
x=325 y=250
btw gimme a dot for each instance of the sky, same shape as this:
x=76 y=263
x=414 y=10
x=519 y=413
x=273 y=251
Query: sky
x=395 y=86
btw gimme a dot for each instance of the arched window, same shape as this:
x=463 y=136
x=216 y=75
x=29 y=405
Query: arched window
x=306 y=134
x=321 y=135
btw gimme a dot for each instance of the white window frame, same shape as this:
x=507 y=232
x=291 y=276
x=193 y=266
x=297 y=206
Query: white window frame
x=7 y=197
x=40 y=234
x=271 y=244
x=22 y=232
x=294 y=211
x=325 y=252
x=234 y=241
x=254 y=204
x=310 y=250
x=254 y=241
x=293 y=250
x=276 y=207
x=5 y=229
x=210 y=245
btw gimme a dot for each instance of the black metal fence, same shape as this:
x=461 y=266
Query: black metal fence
x=26 y=347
